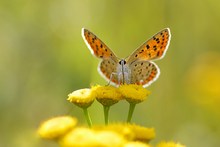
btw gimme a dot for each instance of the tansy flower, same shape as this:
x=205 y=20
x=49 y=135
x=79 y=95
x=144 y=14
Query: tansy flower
x=110 y=139
x=134 y=93
x=142 y=134
x=136 y=144
x=170 y=144
x=131 y=132
x=82 y=137
x=78 y=137
x=56 y=127
x=107 y=95
x=122 y=129
x=82 y=97
x=203 y=81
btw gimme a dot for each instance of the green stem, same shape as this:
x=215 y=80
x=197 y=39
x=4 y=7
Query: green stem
x=106 y=112
x=88 y=119
x=130 y=113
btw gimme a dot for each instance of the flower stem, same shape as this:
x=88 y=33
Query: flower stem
x=106 y=111
x=88 y=119
x=130 y=113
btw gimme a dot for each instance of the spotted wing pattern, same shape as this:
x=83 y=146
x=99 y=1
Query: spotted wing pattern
x=154 y=48
x=96 y=46
x=144 y=73
x=107 y=68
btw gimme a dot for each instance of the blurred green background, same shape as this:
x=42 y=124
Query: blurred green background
x=43 y=58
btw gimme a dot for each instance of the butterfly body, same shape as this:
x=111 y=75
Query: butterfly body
x=123 y=72
x=138 y=67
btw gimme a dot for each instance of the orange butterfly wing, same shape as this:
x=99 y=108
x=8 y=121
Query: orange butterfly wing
x=144 y=72
x=96 y=46
x=154 y=48
x=107 y=67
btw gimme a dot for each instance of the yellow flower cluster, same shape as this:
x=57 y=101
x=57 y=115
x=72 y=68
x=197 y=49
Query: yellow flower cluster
x=64 y=130
x=131 y=132
x=108 y=95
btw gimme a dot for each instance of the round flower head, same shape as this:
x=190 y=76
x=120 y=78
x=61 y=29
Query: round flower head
x=119 y=128
x=130 y=132
x=134 y=93
x=107 y=95
x=83 y=137
x=136 y=144
x=56 y=127
x=170 y=144
x=82 y=97
x=78 y=137
x=109 y=139
x=142 y=134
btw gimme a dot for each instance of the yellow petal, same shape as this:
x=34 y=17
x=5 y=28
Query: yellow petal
x=56 y=127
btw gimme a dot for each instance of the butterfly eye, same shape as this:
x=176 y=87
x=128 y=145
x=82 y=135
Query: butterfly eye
x=122 y=62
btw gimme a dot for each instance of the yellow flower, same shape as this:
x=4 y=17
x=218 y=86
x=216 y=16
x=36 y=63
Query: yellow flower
x=170 y=144
x=142 y=133
x=119 y=128
x=107 y=95
x=203 y=81
x=56 y=127
x=78 y=137
x=134 y=93
x=130 y=132
x=110 y=139
x=82 y=97
x=136 y=144
x=82 y=137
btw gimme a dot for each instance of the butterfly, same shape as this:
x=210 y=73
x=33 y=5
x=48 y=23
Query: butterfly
x=137 y=68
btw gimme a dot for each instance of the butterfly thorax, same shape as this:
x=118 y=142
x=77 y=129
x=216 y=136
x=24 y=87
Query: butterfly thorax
x=123 y=72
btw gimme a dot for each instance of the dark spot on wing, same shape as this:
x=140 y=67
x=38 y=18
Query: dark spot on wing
x=147 y=46
x=158 y=53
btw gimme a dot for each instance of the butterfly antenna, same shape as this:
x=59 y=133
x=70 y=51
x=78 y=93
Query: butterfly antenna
x=126 y=57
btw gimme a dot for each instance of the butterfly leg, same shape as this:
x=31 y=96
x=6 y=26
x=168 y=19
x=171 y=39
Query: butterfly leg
x=111 y=76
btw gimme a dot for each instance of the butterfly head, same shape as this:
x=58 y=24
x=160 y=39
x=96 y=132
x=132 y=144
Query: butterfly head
x=122 y=62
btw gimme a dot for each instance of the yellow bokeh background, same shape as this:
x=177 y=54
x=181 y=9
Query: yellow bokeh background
x=43 y=58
